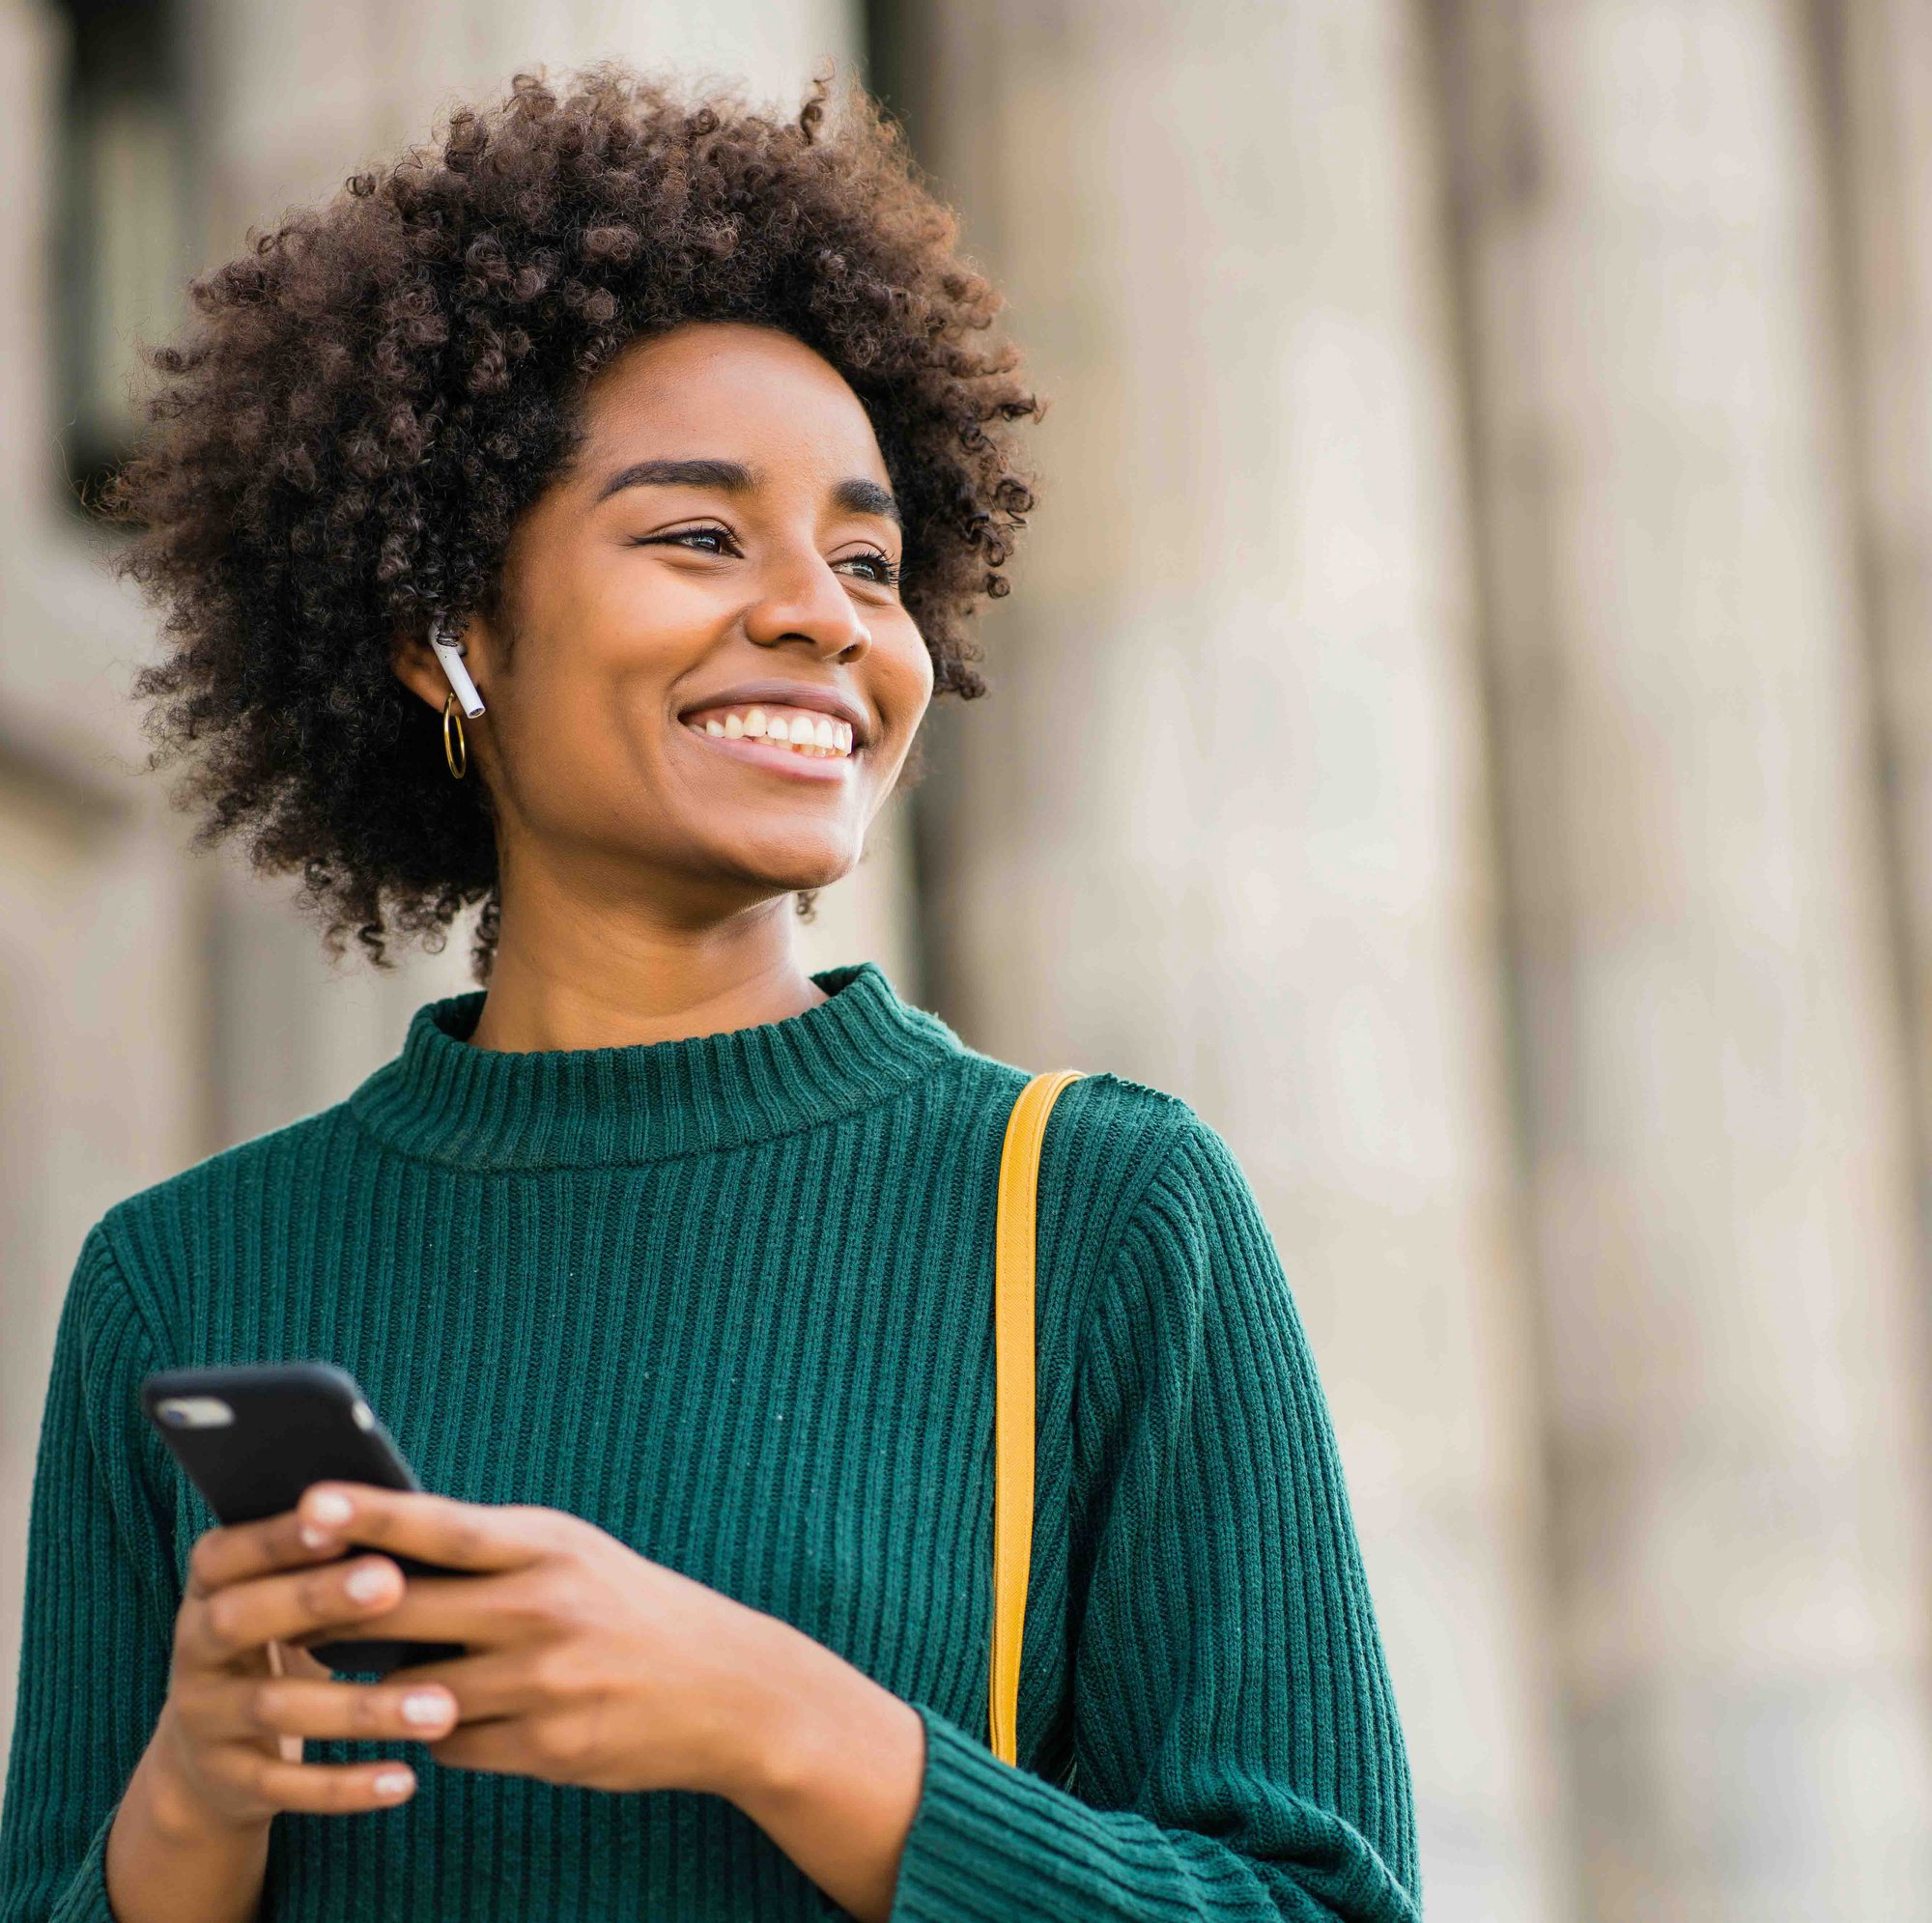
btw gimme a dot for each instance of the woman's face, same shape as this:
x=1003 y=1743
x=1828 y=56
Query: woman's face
x=716 y=566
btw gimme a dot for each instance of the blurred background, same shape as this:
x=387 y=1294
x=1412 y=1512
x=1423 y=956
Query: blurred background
x=1464 y=721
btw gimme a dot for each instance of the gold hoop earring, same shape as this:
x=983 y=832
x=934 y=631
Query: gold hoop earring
x=455 y=748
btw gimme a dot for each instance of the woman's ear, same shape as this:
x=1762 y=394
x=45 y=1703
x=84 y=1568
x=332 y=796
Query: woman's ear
x=411 y=656
x=416 y=666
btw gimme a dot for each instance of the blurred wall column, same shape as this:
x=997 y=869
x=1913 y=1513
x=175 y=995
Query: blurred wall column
x=1880 y=98
x=1711 y=1051
x=101 y=1017
x=1222 y=824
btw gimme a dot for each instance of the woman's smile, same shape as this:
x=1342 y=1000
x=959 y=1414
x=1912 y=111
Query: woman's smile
x=788 y=741
x=805 y=728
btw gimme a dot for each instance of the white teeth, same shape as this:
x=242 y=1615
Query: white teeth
x=804 y=733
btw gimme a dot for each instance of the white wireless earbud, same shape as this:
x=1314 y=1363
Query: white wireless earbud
x=450 y=653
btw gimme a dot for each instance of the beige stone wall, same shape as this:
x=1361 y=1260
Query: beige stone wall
x=1876 y=94
x=1719 y=1130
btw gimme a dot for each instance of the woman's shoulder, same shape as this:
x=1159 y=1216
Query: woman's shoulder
x=243 y=1167
x=1110 y=1139
x=1099 y=1098
x=156 y=1235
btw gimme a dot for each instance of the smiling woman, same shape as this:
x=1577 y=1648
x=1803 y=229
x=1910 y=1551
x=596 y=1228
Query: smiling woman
x=392 y=402
x=670 y=443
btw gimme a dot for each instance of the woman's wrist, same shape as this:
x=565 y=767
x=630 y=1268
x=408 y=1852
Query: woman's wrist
x=775 y=1736
x=173 y=1803
x=831 y=1765
x=171 y=1858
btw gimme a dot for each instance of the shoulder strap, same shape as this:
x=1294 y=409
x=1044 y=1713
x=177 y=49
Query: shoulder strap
x=1014 y=1395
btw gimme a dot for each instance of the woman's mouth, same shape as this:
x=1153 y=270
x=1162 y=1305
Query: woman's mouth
x=794 y=741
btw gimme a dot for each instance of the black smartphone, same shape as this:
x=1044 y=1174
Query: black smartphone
x=251 y=1440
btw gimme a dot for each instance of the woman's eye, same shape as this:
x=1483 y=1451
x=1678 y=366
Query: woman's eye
x=681 y=535
x=885 y=569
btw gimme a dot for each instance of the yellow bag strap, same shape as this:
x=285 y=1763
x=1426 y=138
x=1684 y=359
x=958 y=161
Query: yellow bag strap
x=1013 y=1394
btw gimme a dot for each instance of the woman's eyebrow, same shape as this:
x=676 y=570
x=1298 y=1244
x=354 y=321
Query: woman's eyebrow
x=733 y=477
x=729 y=477
x=866 y=497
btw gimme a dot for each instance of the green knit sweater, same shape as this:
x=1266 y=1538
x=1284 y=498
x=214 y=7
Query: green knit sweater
x=730 y=1299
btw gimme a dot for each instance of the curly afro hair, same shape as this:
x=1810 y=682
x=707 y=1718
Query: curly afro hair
x=345 y=434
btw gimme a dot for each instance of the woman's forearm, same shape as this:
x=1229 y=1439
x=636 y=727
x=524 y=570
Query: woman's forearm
x=169 y=1863
x=832 y=1771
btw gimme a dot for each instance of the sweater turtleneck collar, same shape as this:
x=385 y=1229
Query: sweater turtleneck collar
x=443 y=1100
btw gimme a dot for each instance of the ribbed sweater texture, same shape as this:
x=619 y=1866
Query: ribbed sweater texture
x=730 y=1298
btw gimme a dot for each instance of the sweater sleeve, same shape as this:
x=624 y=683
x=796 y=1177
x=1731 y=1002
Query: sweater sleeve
x=1236 y=1750
x=98 y=1623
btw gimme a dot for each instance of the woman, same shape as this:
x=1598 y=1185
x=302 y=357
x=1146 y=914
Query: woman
x=667 y=1264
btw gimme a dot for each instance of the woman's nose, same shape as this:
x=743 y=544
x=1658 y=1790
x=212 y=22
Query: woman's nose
x=808 y=604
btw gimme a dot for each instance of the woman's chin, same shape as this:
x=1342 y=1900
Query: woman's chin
x=798 y=870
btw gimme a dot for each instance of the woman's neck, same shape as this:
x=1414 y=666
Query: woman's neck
x=574 y=975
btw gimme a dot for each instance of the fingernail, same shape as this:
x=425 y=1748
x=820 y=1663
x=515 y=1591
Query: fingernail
x=368 y=1582
x=425 y=1707
x=329 y=1508
x=314 y=1537
x=393 y=1782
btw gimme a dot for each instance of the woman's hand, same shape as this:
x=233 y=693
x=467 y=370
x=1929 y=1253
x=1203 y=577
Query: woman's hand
x=228 y=1743
x=587 y=1664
